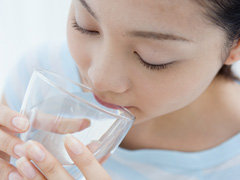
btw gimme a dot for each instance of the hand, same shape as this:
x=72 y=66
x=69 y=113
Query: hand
x=11 y=122
x=58 y=124
x=52 y=169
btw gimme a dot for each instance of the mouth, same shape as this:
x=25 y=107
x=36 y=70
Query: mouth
x=111 y=106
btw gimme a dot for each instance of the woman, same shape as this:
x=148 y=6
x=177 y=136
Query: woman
x=168 y=62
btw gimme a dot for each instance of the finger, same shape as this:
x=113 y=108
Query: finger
x=28 y=170
x=4 y=156
x=11 y=145
x=104 y=158
x=12 y=120
x=58 y=124
x=93 y=147
x=46 y=162
x=84 y=160
x=71 y=125
x=8 y=171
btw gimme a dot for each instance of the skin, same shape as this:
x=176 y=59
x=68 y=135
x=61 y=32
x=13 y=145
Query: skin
x=166 y=102
x=107 y=62
x=183 y=107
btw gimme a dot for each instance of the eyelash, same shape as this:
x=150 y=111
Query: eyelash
x=82 y=30
x=153 y=66
x=144 y=63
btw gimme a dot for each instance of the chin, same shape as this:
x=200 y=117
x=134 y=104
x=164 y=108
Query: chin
x=140 y=116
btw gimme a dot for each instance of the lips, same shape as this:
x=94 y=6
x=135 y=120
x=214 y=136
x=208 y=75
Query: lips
x=112 y=106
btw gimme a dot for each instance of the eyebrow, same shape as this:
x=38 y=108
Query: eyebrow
x=158 y=36
x=84 y=3
x=142 y=34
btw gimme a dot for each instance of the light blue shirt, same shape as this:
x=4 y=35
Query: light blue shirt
x=219 y=163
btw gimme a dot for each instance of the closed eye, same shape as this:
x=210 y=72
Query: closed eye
x=82 y=30
x=153 y=66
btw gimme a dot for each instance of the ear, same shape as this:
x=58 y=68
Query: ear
x=234 y=54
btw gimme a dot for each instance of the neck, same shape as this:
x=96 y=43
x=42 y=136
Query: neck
x=208 y=121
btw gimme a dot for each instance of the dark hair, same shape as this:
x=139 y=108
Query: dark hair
x=226 y=15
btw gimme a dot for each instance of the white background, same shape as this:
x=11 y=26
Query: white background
x=28 y=23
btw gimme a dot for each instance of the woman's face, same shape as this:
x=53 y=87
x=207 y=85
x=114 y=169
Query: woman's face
x=153 y=57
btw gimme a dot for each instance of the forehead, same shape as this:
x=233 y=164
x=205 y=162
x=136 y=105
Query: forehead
x=166 y=15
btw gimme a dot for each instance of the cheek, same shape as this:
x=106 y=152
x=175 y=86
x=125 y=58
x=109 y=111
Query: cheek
x=167 y=98
x=78 y=50
x=77 y=45
x=173 y=89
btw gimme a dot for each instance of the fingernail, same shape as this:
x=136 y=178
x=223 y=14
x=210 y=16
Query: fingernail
x=85 y=124
x=20 y=123
x=26 y=168
x=15 y=176
x=73 y=144
x=19 y=150
x=35 y=151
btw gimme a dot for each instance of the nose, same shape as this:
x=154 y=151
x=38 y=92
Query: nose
x=108 y=71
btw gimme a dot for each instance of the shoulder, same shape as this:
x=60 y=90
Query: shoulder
x=47 y=56
x=51 y=56
x=54 y=57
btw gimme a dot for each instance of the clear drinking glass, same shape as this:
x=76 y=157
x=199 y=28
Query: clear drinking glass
x=57 y=106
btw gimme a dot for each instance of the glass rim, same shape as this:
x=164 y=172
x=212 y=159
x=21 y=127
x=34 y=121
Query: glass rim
x=41 y=72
